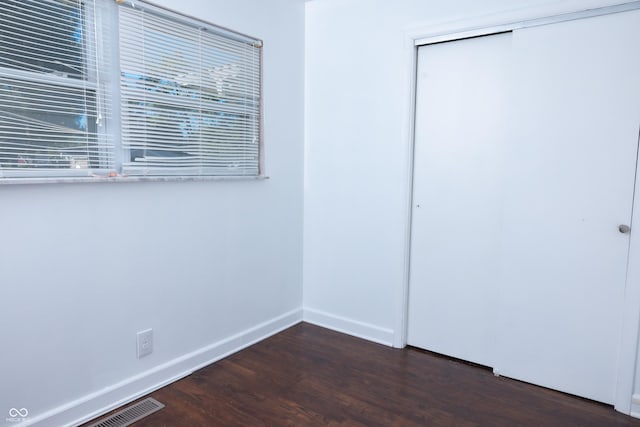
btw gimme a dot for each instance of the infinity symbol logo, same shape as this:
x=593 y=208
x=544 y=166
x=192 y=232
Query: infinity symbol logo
x=23 y=412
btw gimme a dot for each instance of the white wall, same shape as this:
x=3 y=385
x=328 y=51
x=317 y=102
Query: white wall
x=357 y=150
x=210 y=266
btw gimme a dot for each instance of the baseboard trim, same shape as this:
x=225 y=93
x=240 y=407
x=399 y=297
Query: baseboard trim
x=635 y=406
x=349 y=326
x=93 y=405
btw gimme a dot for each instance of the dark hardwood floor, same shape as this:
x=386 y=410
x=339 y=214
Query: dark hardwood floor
x=310 y=376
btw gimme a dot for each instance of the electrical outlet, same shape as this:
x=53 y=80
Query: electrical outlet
x=145 y=343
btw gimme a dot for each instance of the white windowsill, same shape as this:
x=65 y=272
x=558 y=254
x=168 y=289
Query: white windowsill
x=101 y=179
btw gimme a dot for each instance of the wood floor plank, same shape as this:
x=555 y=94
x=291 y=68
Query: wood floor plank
x=311 y=376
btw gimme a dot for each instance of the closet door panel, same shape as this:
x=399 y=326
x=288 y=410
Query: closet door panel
x=569 y=183
x=461 y=124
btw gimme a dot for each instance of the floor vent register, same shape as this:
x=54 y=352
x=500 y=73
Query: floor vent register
x=130 y=414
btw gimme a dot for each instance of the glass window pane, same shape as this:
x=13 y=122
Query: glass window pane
x=45 y=126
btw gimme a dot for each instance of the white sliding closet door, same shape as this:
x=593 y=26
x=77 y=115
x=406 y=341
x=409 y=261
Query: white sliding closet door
x=569 y=185
x=461 y=124
x=524 y=168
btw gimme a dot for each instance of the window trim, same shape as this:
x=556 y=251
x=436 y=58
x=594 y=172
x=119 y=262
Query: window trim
x=83 y=179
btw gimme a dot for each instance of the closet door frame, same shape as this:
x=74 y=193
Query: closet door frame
x=625 y=401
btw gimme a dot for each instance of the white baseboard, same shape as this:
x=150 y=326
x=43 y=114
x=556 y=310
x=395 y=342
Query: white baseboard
x=635 y=406
x=112 y=397
x=349 y=326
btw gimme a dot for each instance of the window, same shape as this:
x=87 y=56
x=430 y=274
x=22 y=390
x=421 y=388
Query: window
x=51 y=98
x=119 y=87
x=190 y=96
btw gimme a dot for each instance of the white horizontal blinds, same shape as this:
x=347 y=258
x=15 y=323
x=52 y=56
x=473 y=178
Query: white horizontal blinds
x=190 y=95
x=53 y=109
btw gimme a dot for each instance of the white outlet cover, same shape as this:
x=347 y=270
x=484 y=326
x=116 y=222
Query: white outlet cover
x=145 y=342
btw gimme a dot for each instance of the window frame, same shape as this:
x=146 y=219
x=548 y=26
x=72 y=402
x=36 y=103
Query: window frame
x=109 y=86
x=92 y=83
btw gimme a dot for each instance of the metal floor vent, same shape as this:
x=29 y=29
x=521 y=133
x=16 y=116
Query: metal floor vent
x=131 y=414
